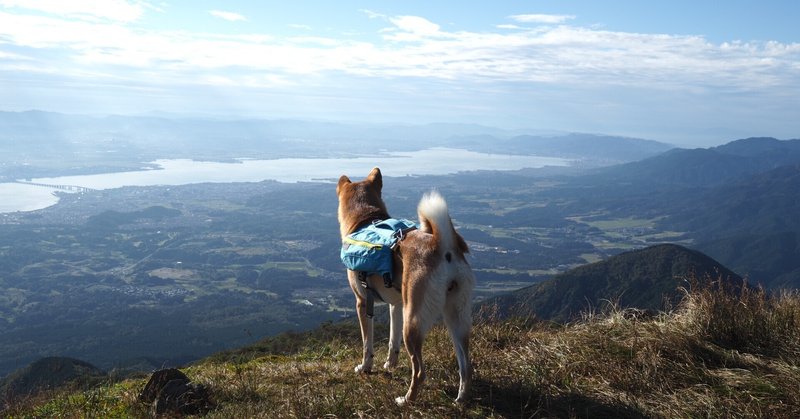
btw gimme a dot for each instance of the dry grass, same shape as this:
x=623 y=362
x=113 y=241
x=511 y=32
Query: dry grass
x=719 y=354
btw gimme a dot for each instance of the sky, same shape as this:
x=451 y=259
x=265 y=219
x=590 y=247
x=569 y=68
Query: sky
x=684 y=72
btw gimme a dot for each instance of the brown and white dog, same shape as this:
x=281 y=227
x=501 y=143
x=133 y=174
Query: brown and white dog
x=436 y=281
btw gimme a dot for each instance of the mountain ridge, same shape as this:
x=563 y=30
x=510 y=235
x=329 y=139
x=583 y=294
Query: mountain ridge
x=643 y=279
x=704 y=167
x=50 y=373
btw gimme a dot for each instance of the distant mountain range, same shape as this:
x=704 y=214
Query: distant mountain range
x=645 y=279
x=33 y=142
x=738 y=202
x=741 y=195
x=703 y=167
x=605 y=148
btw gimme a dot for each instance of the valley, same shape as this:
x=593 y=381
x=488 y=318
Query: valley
x=179 y=272
x=172 y=273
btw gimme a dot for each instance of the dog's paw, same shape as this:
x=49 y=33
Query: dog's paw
x=401 y=401
x=361 y=369
x=391 y=360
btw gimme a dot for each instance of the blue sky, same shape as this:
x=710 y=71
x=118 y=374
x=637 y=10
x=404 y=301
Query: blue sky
x=685 y=72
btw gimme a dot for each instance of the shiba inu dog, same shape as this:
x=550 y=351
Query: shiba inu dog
x=433 y=280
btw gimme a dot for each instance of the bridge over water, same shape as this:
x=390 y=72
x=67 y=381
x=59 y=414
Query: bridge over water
x=69 y=188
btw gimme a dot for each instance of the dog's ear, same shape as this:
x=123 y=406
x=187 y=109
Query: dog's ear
x=344 y=180
x=376 y=178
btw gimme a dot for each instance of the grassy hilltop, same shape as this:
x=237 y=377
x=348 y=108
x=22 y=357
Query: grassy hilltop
x=716 y=355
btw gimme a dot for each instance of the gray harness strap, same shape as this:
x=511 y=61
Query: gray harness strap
x=371 y=293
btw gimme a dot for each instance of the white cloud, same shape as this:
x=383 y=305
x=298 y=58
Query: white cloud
x=229 y=16
x=555 y=74
x=114 y=10
x=415 y=24
x=541 y=18
x=372 y=15
x=413 y=47
x=11 y=56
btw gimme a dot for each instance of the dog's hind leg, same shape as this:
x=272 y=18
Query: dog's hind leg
x=458 y=319
x=413 y=338
x=395 y=335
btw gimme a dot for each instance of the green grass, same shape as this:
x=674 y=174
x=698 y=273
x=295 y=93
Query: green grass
x=626 y=233
x=619 y=223
x=719 y=354
x=232 y=284
x=493 y=288
x=304 y=266
x=509 y=232
x=591 y=257
x=531 y=272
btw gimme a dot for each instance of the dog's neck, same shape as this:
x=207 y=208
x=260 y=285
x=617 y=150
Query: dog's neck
x=349 y=223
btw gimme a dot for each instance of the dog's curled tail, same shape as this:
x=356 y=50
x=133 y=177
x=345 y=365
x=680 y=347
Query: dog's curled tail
x=434 y=218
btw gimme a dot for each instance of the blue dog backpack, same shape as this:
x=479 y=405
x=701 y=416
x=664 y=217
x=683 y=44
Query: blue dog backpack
x=369 y=249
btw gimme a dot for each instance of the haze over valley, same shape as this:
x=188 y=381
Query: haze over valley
x=173 y=271
x=625 y=175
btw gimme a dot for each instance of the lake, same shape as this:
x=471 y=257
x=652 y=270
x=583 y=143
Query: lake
x=433 y=161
